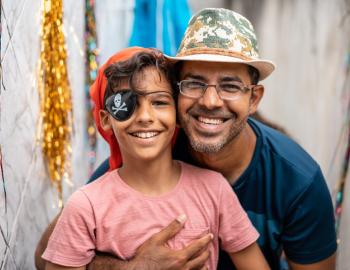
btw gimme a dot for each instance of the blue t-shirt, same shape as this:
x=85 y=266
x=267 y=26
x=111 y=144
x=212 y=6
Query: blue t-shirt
x=286 y=198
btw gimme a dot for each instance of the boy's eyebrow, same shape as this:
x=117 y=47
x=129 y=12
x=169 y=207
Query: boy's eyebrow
x=156 y=93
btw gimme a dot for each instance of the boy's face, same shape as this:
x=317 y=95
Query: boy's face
x=147 y=134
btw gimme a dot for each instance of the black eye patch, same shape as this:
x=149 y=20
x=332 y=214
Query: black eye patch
x=122 y=104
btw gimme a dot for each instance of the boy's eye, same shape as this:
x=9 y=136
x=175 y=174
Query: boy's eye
x=160 y=102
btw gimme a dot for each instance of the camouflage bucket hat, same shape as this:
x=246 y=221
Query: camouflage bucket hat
x=222 y=35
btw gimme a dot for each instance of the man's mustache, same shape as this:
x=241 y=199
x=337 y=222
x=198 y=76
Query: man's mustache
x=214 y=113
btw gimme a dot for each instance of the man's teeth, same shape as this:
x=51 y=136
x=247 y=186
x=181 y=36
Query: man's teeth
x=211 y=121
x=145 y=135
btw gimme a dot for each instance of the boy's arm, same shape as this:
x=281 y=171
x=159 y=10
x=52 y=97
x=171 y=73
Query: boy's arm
x=40 y=262
x=51 y=266
x=250 y=258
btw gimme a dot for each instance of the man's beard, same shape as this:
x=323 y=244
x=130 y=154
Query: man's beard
x=212 y=148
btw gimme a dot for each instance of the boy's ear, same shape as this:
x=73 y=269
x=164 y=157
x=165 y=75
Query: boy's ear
x=104 y=119
x=255 y=98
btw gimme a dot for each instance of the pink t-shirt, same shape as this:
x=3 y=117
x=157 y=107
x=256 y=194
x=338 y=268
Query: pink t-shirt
x=109 y=216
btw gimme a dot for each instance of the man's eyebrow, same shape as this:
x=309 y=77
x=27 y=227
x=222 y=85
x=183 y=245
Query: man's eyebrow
x=231 y=79
x=194 y=77
x=222 y=79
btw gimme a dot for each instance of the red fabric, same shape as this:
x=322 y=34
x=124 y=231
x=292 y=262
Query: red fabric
x=97 y=92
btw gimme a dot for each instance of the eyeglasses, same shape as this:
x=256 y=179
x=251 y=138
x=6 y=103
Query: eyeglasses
x=226 y=90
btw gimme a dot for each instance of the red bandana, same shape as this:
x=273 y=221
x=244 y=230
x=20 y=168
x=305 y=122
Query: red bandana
x=97 y=93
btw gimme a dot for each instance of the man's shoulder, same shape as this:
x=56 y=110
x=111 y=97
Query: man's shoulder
x=284 y=152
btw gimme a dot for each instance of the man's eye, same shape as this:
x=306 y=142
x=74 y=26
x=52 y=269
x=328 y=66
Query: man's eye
x=230 y=87
x=193 y=84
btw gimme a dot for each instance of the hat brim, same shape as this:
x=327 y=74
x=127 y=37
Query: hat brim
x=265 y=67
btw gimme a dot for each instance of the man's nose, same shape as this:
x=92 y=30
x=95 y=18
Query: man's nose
x=211 y=99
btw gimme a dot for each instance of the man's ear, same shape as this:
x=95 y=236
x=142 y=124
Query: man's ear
x=255 y=98
x=104 y=120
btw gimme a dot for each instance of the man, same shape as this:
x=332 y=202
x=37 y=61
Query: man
x=279 y=185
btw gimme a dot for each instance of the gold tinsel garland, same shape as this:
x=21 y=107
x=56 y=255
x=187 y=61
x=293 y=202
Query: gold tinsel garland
x=55 y=96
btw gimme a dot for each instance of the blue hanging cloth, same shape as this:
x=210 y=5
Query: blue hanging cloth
x=160 y=24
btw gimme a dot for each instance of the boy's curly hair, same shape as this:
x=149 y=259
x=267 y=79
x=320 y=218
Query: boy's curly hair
x=126 y=70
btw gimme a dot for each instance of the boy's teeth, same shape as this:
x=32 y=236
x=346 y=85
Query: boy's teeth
x=211 y=121
x=145 y=135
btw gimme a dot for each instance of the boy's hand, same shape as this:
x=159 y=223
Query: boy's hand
x=154 y=254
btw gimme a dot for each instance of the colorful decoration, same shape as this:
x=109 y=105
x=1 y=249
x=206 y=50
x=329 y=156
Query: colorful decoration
x=55 y=95
x=345 y=166
x=91 y=66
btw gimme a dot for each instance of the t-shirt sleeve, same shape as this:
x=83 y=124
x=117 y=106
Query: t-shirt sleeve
x=309 y=234
x=72 y=242
x=236 y=232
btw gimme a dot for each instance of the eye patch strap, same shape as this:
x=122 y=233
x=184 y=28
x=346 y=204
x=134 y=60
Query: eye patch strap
x=122 y=104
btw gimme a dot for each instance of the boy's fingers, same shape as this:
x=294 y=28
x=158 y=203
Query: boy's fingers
x=170 y=231
x=197 y=245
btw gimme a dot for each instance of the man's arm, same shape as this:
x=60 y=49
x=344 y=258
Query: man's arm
x=309 y=238
x=250 y=258
x=153 y=254
x=40 y=262
x=327 y=264
x=51 y=266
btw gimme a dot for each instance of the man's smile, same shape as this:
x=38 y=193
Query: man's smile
x=210 y=121
x=209 y=126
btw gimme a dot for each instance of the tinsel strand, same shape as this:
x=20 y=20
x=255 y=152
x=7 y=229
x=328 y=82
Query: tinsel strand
x=55 y=95
x=91 y=64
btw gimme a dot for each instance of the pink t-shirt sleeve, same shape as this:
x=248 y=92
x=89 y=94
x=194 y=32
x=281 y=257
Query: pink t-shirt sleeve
x=72 y=242
x=236 y=232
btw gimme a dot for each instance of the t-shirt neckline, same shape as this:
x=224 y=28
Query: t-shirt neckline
x=256 y=156
x=134 y=192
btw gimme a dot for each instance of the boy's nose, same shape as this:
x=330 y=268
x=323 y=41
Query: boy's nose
x=144 y=111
